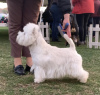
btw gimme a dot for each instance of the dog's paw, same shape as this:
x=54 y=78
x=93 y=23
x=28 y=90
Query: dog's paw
x=38 y=80
x=84 y=78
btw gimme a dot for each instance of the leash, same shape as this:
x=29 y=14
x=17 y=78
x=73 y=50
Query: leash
x=41 y=12
x=60 y=29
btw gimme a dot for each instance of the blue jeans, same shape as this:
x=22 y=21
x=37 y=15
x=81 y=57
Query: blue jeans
x=57 y=16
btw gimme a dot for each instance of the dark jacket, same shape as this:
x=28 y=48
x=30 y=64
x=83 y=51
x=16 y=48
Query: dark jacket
x=64 y=5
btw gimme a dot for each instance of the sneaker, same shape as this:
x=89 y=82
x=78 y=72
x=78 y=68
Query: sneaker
x=19 y=70
x=81 y=43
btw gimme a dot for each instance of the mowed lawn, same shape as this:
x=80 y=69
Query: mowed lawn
x=11 y=84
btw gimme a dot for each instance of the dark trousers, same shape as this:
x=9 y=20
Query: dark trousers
x=96 y=20
x=21 y=12
x=82 y=20
x=57 y=16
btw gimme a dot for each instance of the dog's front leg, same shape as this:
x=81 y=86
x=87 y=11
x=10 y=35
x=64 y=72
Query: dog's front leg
x=39 y=74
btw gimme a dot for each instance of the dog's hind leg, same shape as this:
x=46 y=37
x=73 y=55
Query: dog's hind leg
x=39 y=75
x=83 y=77
x=78 y=73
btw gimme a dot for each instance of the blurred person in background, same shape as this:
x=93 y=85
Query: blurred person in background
x=96 y=15
x=82 y=9
x=60 y=9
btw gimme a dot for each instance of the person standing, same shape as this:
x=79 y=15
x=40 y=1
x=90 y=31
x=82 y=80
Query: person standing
x=82 y=9
x=21 y=12
x=96 y=15
x=60 y=9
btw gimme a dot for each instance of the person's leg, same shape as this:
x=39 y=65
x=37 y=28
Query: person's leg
x=57 y=16
x=94 y=24
x=75 y=24
x=80 y=21
x=15 y=20
x=97 y=20
x=86 y=18
x=30 y=14
x=15 y=24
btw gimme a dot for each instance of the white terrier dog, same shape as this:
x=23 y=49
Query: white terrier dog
x=49 y=61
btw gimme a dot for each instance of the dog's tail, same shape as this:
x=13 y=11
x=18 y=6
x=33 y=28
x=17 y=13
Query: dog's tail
x=70 y=41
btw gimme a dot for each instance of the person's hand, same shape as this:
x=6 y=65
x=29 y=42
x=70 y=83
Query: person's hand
x=67 y=20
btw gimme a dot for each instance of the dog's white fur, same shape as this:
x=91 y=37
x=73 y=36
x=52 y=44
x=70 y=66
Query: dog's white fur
x=49 y=61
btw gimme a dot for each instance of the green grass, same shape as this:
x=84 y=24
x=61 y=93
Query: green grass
x=11 y=84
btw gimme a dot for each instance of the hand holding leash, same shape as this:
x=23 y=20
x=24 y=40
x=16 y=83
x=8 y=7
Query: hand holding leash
x=66 y=26
x=61 y=30
x=67 y=20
